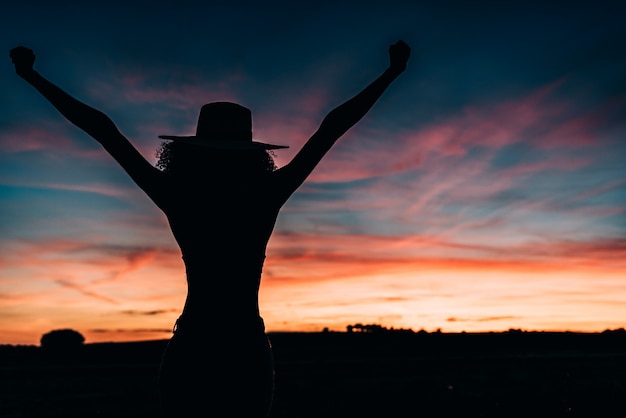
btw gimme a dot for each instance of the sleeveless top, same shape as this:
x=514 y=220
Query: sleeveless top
x=223 y=231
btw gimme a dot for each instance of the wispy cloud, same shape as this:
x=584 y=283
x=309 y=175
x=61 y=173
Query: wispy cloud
x=82 y=290
x=40 y=136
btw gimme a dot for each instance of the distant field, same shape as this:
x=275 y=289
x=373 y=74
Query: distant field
x=349 y=375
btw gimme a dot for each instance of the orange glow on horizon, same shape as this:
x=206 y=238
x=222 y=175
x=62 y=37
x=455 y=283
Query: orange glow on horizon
x=109 y=301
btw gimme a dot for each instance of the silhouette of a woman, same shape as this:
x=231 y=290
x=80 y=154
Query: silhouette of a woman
x=221 y=194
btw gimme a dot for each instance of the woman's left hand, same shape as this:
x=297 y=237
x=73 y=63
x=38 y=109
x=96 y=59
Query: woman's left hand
x=398 y=56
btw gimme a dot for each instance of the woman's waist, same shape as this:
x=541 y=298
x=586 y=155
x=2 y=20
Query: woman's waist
x=192 y=323
x=223 y=271
x=223 y=256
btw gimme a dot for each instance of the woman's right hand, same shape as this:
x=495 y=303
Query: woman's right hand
x=23 y=58
x=398 y=56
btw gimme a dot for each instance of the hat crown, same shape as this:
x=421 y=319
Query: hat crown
x=224 y=121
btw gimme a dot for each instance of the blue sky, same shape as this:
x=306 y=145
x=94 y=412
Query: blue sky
x=488 y=180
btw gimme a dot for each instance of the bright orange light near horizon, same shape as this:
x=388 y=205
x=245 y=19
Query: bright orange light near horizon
x=108 y=301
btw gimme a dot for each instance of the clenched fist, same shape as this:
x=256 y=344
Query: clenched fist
x=23 y=58
x=398 y=56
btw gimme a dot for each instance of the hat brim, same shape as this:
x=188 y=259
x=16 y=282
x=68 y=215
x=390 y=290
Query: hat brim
x=222 y=143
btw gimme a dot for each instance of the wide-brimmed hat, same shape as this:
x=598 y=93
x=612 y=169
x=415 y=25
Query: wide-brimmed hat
x=224 y=125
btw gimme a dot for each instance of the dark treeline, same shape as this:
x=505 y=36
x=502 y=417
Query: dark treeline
x=358 y=342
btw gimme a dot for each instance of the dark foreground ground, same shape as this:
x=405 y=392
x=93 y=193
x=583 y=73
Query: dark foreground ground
x=350 y=375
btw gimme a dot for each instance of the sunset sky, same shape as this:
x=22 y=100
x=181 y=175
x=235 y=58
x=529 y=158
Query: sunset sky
x=486 y=190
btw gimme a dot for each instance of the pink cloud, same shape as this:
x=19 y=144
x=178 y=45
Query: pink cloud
x=56 y=139
x=97 y=188
x=40 y=137
x=84 y=291
x=541 y=118
x=360 y=254
x=135 y=88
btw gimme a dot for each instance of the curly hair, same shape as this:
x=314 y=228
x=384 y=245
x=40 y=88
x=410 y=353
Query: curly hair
x=181 y=159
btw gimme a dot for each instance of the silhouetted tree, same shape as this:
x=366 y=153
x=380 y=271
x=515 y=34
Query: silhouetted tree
x=62 y=340
x=377 y=329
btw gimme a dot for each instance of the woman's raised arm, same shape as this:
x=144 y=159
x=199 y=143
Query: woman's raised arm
x=340 y=119
x=95 y=123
